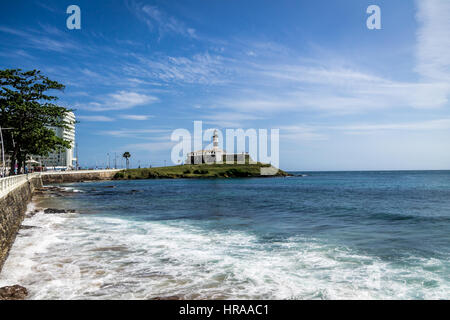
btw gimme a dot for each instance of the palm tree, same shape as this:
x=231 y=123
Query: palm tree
x=127 y=155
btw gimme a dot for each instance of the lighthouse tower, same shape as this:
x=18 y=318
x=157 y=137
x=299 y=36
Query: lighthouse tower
x=215 y=141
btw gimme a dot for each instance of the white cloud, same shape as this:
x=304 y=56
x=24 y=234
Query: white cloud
x=433 y=40
x=229 y=119
x=437 y=124
x=151 y=146
x=155 y=18
x=148 y=134
x=293 y=87
x=323 y=132
x=200 y=68
x=120 y=100
x=36 y=39
x=301 y=133
x=433 y=50
x=95 y=118
x=135 y=117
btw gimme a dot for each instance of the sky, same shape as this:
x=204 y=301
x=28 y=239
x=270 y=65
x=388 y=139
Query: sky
x=343 y=97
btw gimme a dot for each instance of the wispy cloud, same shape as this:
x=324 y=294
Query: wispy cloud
x=138 y=117
x=150 y=146
x=47 y=7
x=200 y=68
x=95 y=118
x=437 y=124
x=229 y=119
x=324 y=131
x=433 y=40
x=13 y=31
x=37 y=40
x=301 y=133
x=156 y=19
x=147 y=134
x=120 y=100
x=433 y=49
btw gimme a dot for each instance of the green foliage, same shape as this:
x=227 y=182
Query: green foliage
x=201 y=171
x=197 y=171
x=119 y=175
x=28 y=108
x=127 y=156
x=236 y=173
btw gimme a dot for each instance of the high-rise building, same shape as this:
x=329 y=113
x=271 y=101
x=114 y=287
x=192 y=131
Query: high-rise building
x=64 y=158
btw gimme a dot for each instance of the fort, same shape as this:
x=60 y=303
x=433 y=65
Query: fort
x=217 y=155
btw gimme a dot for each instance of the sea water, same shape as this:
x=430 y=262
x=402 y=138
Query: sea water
x=327 y=235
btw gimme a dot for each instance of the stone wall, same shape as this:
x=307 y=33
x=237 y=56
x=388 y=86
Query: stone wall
x=12 y=212
x=63 y=177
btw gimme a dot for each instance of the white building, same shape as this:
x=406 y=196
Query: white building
x=215 y=155
x=62 y=159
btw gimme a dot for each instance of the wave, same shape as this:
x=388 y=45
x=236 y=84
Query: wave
x=73 y=256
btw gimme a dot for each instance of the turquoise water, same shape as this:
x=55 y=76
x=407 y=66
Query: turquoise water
x=327 y=235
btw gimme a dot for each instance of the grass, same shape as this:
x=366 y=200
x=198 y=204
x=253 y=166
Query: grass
x=197 y=171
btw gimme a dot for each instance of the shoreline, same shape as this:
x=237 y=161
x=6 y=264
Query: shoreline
x=203 y=171
x=139 y=252
x=29 y=240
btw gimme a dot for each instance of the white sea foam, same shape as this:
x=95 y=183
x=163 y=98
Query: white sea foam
x=92 y=257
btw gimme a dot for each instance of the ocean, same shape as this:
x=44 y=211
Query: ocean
x=326 y=235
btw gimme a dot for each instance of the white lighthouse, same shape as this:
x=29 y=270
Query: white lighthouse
x=216 y=140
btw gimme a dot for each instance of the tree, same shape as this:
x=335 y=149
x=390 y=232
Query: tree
x=27 y=108
x=127 y=156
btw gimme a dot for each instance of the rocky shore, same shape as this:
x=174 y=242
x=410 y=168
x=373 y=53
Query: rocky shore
x=201 y=171
x=16 y=291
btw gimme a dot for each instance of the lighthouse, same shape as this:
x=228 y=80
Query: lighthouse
x=216 y=140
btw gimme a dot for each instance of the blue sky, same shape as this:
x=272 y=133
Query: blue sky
x=344 y=97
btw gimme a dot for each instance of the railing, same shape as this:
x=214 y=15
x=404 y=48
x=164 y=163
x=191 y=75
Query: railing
x=8 y=184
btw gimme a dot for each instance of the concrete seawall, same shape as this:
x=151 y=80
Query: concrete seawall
x=77 y=176
x=12 y=212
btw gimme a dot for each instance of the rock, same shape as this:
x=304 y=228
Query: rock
x=53 y=211
x=167 y=298
x=14 y=292
x=32 y=213
x=23 y=227
x=109 y=186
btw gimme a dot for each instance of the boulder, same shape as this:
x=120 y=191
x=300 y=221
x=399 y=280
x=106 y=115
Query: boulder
x=24 y=227
x=55 y=211
x=167 y=298
x=14 y=292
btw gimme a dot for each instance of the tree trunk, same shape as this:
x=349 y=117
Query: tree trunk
x=12 y=164
x=19 y=164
